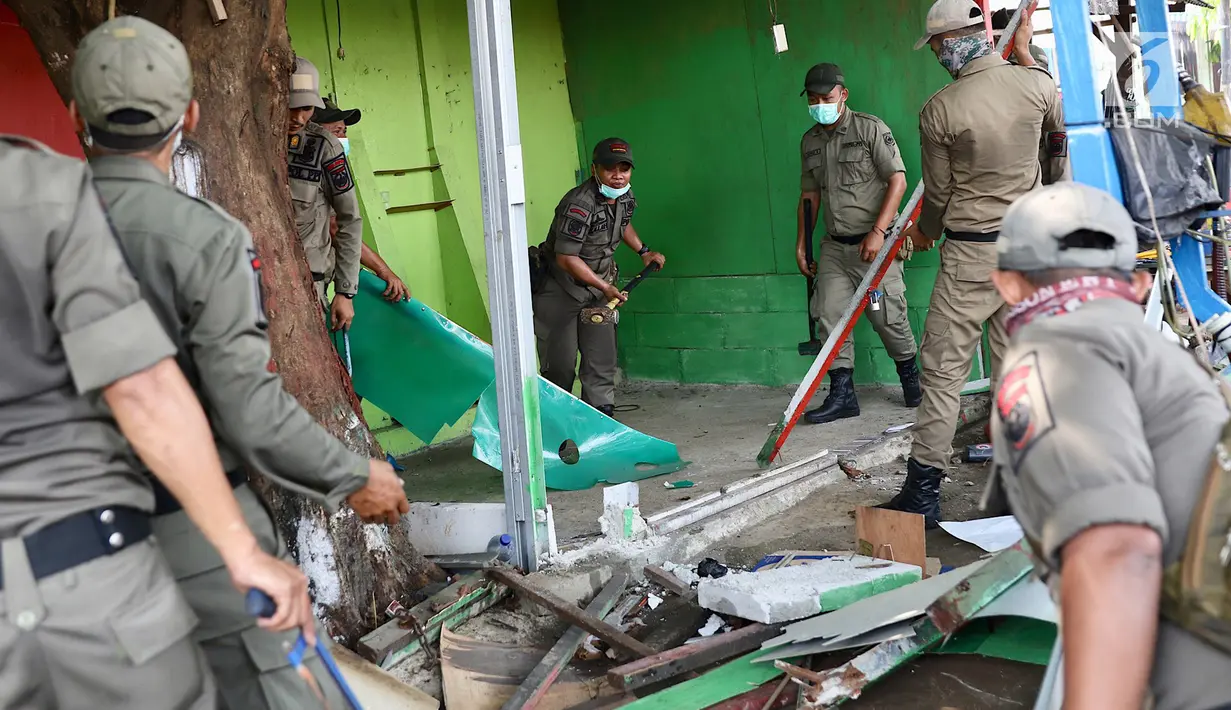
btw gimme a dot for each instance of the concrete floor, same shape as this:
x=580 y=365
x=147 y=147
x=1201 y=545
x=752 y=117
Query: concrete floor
x=720 y=429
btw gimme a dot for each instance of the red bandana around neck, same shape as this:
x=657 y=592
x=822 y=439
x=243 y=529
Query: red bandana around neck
x=1066 y=297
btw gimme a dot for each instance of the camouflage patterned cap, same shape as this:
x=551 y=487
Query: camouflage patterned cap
x=1035 y=230
x=132 y=81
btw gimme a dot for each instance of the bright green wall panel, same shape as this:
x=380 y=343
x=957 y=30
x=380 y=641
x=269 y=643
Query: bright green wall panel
x=715 y=119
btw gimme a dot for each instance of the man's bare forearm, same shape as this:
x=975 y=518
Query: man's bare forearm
x=160 y=416
x=893 y=198
x=1110 y=581
x=631 y=239
x=369 y=258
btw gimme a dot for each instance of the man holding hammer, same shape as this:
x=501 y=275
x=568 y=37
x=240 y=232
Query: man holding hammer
x=579 y=257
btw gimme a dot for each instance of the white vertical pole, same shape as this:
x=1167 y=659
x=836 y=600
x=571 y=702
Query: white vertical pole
x=508 y=277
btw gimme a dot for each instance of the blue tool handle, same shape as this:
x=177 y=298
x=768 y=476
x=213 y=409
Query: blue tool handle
x=261 y=605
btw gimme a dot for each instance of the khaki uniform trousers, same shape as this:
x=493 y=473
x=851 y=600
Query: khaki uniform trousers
x=963 y=299
x=113 y=633
x=838 y=273
x=560 y=334
x=250 y=662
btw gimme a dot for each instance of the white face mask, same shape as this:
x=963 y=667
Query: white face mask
x=345 y=145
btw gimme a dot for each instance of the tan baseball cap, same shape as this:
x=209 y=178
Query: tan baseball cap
x=132 y=81
x=305 y=85
x=948 y=15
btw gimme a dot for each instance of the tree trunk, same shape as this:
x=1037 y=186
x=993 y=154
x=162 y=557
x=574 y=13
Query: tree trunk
x=241 y=71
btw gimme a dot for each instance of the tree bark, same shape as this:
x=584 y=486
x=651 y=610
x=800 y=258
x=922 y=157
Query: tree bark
x=241 y=73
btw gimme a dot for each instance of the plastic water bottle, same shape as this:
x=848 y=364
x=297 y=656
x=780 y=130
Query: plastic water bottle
x=501 y=546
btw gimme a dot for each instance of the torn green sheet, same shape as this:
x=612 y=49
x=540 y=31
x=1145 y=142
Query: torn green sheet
x=607 y=450
x=726 y=681
x=426 y=372
x=423 y=369
x=1012 y=638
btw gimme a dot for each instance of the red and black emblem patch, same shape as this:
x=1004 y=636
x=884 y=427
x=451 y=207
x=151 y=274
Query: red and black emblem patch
x=574 y=227
x=618 y=147
x=1021 y=405
x=339 y=174
x=1058 y=144
x=579 y=212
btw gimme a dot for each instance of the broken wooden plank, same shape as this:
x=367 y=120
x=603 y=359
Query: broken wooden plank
x=570 y=613
x=452 y=616
x=535 y=686
x=669 y=581
x=673 y=662
x=891 y=535
x=944 y=616
x=391 y=635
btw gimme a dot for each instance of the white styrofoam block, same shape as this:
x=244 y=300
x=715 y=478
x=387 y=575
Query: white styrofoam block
x=773 y=596
x=625 y=495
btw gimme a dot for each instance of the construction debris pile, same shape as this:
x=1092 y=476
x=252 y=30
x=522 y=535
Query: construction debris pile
x=807 y=629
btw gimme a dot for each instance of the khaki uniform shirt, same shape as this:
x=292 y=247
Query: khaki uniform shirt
x=980 y=144
x=850 y=164
x=1099 y=420
x=321 y=179
x=73 y=323
x=199 y=271
x=587 y=226
x=1054 y=142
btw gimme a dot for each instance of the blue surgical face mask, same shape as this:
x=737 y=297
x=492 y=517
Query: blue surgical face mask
x=345 y=145
x=824 y=114
x=613 y=193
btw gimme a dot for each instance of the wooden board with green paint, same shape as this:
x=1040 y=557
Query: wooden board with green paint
x=726 y=681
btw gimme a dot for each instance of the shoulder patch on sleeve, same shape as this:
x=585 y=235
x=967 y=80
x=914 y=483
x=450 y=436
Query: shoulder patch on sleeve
x=889 y=141
x=576 y=211
x=1057 y=144
x=258 y=292
x=339 y=174
x=1023 y=408
x=573 y=227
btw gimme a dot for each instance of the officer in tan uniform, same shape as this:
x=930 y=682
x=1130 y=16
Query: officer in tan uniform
x=852 y=167
x=199 y=271
x=321 y=181
x=89 y=614
x=980 y=151
x=1104 y=434
x=335 y=120
x=1026 y=53
x=591 y=221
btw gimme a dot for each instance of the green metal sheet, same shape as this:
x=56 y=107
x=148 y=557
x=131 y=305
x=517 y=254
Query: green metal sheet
x=423 y=369
x=607 y=450
x=426 y=372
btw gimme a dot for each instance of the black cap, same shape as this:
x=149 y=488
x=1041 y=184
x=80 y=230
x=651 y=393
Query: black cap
x=613 y=151
x=332 y=114
x=822 y=78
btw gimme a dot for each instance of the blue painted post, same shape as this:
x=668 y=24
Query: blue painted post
x=1090 y=153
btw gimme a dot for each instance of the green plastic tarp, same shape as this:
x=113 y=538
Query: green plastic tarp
x=426 y=371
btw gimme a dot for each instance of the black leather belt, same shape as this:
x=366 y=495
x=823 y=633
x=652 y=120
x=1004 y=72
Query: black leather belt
x=83 y=537
x=846 y=239
x=983 y=237
x=166 y=504
x=319 y=277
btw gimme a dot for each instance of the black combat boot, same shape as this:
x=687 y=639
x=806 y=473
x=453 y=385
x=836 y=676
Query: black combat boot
x=908 y=373
x=920 y=494
x=840 y=403
x=608 y=409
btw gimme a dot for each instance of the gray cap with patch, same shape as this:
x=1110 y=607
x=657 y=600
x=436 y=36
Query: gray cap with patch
x=132 y=81
x=305 y=85
x=1038 y=231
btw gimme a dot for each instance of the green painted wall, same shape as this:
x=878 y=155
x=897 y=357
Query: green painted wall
x=407 y=66
x=715 y=119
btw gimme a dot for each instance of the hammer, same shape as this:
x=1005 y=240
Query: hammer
x=261 y=605
x=601 y=315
